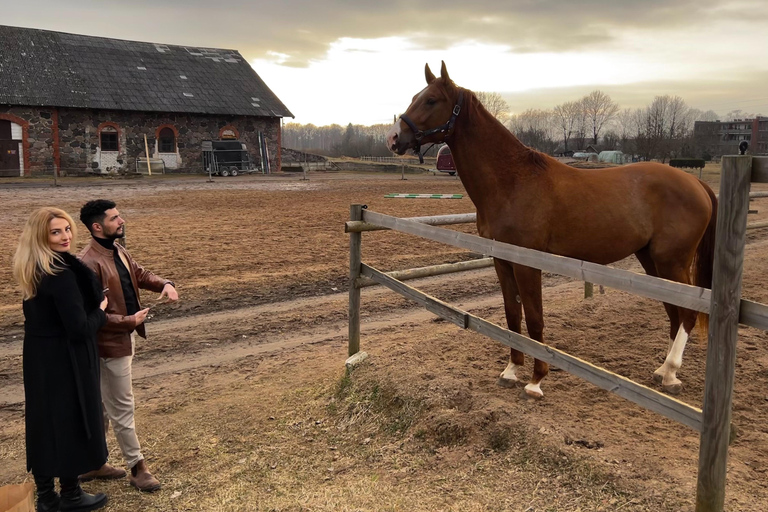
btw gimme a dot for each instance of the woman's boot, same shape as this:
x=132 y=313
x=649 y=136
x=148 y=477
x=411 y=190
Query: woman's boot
x=47 y=497
x=74 y=499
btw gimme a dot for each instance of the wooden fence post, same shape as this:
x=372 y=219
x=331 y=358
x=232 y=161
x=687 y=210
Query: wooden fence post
x=723 y=332
x=355 y=260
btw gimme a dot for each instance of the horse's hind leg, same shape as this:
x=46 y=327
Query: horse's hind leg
x=682 y=322
x=529 y=286
x=649 y=266
x=514 y=312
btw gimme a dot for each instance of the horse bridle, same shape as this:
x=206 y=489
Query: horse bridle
x=446 y=128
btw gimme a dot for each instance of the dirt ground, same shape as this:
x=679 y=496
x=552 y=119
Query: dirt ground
x=243 y=402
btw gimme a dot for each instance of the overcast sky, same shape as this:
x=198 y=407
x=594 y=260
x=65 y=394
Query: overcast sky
x=361 y=61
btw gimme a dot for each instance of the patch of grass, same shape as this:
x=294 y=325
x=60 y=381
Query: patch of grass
x=372 y=403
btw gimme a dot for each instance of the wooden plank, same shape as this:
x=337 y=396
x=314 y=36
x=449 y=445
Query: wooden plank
x=757 y=225
x=355 y=256
x=433 y=270
x=753 y=314
x=433 y=305
x=759 y=172
x=723 y=332
x=687 y=296
x=644 y=396
x=433 y=220
x=146 y=149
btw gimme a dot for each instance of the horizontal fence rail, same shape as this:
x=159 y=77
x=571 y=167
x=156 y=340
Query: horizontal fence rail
x=466 y=218
x=671 y=292
x=434 y=270
x=434 y=220
x=600 y=377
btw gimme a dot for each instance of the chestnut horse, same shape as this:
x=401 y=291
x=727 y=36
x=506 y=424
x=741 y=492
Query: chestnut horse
x=662 y=215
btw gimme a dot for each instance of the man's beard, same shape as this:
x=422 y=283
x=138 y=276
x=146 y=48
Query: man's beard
x=117 y=234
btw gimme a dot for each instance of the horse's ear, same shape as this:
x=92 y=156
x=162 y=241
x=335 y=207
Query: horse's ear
x=428 y=73
x=444 y=72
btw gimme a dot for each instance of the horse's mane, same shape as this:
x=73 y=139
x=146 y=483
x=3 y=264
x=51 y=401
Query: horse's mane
x=538 y=158
x=534 y=157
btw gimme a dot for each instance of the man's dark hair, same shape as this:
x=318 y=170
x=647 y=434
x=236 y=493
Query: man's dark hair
x=95 y=211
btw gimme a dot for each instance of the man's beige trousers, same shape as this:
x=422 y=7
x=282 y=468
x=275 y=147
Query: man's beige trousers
x=117 y=397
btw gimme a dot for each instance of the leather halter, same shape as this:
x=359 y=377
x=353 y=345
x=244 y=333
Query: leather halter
x=446 y=128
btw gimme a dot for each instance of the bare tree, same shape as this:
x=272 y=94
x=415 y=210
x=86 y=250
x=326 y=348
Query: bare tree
x=663 y=127
x=626 y=127
x=495 y=104
x=709 y=115
x=599 y=108
x=581 y=128
x=567 y=115
x=737 y=114
x=535 y=128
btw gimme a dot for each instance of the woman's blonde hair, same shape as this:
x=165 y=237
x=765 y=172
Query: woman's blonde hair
x=34 y=257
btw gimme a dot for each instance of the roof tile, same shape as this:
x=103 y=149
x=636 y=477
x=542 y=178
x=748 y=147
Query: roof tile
x=70 y=70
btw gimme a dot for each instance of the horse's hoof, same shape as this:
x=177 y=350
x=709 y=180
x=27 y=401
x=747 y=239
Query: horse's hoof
x=673 y=389
x=533 y=391
x=658 y=378
x=506 y=383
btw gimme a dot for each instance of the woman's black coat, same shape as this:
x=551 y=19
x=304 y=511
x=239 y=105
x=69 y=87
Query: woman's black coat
x=64 y=425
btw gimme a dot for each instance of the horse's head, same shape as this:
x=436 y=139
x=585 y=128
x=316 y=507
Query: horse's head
x=430 y=116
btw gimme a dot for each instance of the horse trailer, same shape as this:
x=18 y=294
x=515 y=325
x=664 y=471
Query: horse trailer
x=227 y=158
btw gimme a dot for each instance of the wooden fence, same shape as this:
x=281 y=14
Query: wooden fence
x=723 y=303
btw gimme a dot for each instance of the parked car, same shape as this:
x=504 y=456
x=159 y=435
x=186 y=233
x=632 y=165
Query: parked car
x=445 y=161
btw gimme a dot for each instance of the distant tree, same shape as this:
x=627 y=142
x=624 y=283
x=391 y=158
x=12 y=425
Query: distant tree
x=535 y=128
x=626 y=128
x=699 y=115
x=663 y=128
x=611 y=140
x=599 y=109
x=495 y=104
x=581 y=132
x=739 y=114
x=567 y=115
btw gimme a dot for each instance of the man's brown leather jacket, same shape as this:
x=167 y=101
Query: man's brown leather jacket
x=114 y=338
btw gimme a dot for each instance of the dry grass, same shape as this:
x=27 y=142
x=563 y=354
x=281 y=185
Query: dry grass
x=268 y=440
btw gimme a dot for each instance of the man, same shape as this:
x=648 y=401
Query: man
x=122 y=278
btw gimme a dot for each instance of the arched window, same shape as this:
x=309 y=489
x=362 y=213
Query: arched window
x=167 y=141
x=108 y=139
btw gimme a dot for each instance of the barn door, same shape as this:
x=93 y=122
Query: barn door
x=9 y=151
x=9 y=158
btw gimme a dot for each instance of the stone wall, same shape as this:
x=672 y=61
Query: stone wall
x=37 y=155
x=69 y=138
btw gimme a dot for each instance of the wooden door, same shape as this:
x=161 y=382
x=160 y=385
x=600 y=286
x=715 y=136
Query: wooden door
x=9 y=158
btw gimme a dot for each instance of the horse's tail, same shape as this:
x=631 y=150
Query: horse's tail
x=703 y=261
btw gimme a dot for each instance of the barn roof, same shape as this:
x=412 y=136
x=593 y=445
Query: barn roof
x=56 y=69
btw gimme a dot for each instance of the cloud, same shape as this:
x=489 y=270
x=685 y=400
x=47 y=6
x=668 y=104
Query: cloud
x=304 y=30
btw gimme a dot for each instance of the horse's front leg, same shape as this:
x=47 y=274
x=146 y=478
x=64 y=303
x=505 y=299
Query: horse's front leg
x=529 y=286
x=514 y=312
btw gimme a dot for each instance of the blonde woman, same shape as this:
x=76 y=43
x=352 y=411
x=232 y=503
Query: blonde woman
x=63 y=308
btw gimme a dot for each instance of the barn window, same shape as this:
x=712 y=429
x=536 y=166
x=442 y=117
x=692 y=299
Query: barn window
x=167 y=141
x=109 y=139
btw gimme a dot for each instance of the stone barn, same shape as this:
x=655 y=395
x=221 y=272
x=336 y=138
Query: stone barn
x=71 y=104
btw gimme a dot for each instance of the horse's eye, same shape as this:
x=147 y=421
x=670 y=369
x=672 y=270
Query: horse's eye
x=431 y=101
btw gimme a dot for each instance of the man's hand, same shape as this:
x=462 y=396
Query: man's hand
x=169 y=292
x=103 y=305
x=140 y=316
